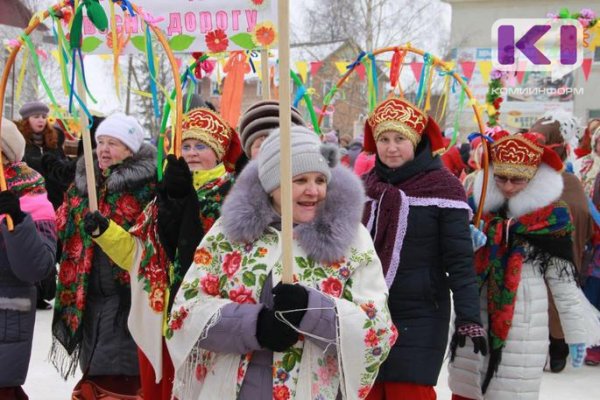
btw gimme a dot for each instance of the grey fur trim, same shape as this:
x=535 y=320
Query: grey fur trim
x=131 y=174
x=331 y=153
x=247 y=213
x=247 y=210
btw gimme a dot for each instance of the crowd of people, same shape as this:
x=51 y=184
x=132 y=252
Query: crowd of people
x=173 y=287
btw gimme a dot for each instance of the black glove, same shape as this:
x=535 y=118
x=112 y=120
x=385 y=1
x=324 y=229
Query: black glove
x=49 y=161
x=93 y=221
x=177 y=180
x=477 y=335
x=290 y=297
x=273 y=334
x=9 y=204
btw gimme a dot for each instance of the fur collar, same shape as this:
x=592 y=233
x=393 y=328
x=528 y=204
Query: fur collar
x=133 y=173
x=247 y=213
x=544 y=188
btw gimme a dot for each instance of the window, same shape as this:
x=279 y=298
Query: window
x=214 y=87
x=327 y=121
x=593 y=114
x=259 y=88
x=327 y=85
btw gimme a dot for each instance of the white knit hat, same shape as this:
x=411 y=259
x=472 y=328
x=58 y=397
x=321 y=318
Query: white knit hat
x=308 y=155
x=13 y=142
x=124 y=128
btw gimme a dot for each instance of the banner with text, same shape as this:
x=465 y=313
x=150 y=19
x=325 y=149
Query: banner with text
x=212 y=26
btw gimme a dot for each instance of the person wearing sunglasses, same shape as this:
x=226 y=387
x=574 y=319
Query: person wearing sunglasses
x=528 y=248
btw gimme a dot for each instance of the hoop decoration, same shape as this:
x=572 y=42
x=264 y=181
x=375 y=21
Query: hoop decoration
x=98 y=17
x=431 y=62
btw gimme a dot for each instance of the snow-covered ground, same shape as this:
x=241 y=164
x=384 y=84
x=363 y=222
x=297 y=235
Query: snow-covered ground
x=44 y=383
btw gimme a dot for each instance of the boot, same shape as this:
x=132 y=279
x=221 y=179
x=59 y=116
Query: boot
x=559 y=350
x=592 y=357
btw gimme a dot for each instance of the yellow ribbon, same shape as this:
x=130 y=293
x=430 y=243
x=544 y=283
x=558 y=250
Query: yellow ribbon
x=21 y=74
x=115 y=48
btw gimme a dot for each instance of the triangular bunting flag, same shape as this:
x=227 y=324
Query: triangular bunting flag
x=467 y=68
x=315 y=66
x=341 y=66
x=361 y=71
x=55 y=55
x=416 y=67
x=522 y=71
x=520 y=76
x=485 y=68
x=302 y=69
x=586 y=67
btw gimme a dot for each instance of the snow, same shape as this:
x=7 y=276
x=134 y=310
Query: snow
x=43 y=382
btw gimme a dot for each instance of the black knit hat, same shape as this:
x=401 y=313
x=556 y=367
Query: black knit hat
x=260 y=119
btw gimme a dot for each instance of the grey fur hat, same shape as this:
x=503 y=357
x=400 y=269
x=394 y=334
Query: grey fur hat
x=260 y=119
x=308 y=155
x=33 y=108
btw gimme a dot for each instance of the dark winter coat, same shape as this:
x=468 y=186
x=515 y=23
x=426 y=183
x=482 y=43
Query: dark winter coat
x=435 y=258
x=33 y=158
x=26 y=256
x=107 y=347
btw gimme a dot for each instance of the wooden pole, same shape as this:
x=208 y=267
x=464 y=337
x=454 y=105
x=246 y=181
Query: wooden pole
x=129 y=72
x=266 y=79
x=88 y=152
x=285 y=105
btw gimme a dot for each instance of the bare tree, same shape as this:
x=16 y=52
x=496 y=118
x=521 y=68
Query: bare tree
x=377 y=23
x=142 y=106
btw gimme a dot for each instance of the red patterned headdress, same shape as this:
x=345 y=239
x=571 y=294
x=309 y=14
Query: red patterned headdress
x=520 y=155
x=208 y=127
x=398 y=115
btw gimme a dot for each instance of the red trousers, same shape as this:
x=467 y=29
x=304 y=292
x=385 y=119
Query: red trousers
x=150 y=389
x=401 y=391
x=13 y=393
x=459 y=397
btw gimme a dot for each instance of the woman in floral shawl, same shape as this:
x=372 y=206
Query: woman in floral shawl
x=529 y=246
x=160 y=247
x=323 y=336
x=93 y=297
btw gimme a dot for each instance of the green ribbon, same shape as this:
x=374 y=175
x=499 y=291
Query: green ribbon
x=309 y=104
x=96 y=15
x=38 y=67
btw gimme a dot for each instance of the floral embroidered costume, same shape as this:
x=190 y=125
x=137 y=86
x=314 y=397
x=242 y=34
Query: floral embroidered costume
x=346 y=331
x=529 y=247
x=93 y=295
x=159 y=249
